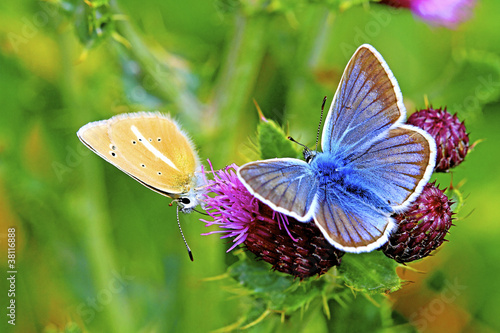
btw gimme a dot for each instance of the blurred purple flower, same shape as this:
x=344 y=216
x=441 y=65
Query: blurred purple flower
x=447 y=13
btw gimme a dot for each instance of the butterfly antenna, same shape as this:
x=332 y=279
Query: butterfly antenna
x=184 y=238
x=202 y=213
x=308 y=153
x=300 y=144
x=320 y=121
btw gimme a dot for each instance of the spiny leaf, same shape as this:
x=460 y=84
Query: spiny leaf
x=370 y=272
x=279 y=291
x=273 y=141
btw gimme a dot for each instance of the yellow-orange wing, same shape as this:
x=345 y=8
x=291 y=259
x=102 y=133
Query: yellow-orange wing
x=150 y=147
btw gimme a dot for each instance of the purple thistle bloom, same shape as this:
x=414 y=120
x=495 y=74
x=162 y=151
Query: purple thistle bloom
x=290 y=246
x=233 y=208
x=447 y=13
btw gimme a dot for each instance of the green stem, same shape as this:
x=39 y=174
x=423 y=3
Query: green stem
x=237 y=80
x=318 y=23
x=167 y=83
x=93 y=221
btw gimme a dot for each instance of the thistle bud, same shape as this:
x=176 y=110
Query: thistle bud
x=422 y=228
x=449 y=133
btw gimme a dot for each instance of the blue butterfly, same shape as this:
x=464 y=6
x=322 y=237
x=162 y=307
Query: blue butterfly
x=372 y=165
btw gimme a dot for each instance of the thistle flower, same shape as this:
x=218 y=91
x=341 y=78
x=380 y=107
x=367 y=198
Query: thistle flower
x=447 y=13
x=289 y=246
x=422 y=228
x=449 y=133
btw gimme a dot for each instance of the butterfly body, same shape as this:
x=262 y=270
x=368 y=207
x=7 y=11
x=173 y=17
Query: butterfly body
x=372 y=164
x=339 y=178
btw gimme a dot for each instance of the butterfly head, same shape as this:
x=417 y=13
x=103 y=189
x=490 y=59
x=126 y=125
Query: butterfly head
x=193 y=196
x=309 y=154
x=188 y=202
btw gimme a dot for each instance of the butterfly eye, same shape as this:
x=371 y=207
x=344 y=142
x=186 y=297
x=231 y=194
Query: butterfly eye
x=308 y=154
x=185 y=201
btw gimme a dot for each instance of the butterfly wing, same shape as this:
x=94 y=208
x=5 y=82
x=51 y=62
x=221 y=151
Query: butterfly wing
x=364 y=127
x=398 y=167
x=149 y=147
x=366 y=104
x=287 y=185
x=390 y=162
x=351 y=224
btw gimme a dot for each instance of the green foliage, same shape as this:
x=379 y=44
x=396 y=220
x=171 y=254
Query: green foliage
x=369 y=275
x=98 y=249
x=280 y=292
x=481 y=71
x=370 y=272
x=93 y=20
x=457 y=199
x=93 y=23
x=281 y=6
x=273 y=142
x=366 y=314
x=70 y=327
x=436 y=281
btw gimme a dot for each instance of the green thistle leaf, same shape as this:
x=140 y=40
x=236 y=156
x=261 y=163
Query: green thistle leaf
x=94 y=23
x=370 y=272
x=273 y=142
x=281 y=292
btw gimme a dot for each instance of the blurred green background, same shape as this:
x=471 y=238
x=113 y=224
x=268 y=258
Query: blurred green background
x=98 y=249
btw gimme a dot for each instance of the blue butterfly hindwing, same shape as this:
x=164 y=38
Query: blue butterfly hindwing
x=287 y=185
